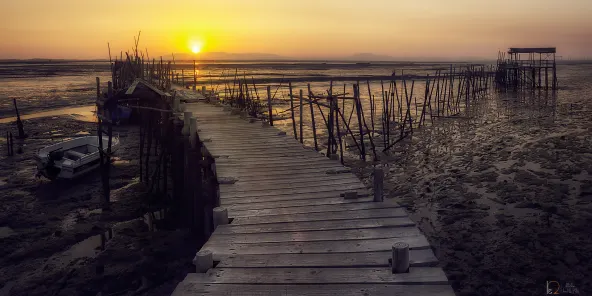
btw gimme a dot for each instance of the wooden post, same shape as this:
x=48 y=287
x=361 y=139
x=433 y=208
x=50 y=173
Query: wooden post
x=292 y=110
x=203 y=261
x=400 y=258
x=220 y=216
x=314 y=127
x=8 y=144
x=301 y=116
x=194 y=76
x=19 y=123
x=269 y=106
x=359 y=115
x=183 y=77
x=378 y=180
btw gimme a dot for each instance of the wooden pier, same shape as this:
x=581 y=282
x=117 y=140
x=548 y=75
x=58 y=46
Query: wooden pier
x=299 y=223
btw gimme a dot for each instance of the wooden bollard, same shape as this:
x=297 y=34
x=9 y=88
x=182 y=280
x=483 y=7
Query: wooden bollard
x=400 y=258
x=186 y=123
x=378 y=180
x=203 y=261
x=220 y=216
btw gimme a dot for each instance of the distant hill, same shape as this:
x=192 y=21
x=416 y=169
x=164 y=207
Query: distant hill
x=369 y=57
x=222 y=56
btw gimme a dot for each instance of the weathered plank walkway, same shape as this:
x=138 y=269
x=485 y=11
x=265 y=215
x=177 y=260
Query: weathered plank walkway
x=292 y=232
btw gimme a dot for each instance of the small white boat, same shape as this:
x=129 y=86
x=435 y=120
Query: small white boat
x=72 y=158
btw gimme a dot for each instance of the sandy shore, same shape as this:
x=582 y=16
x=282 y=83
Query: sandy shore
x=50 y=233
x=506 y=204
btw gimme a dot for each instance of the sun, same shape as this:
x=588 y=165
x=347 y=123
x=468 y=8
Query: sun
x=196 y=48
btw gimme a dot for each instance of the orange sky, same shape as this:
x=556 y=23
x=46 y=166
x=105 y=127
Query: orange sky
x=300 y=29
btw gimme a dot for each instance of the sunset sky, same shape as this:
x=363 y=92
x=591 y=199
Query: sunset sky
x=300 y=29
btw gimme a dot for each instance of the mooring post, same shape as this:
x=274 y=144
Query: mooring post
x=378 y=181
x=203 y=261
x=19 y=123
x=400 y=258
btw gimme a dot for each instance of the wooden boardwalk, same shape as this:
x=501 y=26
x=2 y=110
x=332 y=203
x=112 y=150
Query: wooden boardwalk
x=292 y=232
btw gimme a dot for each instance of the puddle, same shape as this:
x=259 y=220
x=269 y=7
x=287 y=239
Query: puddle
x=88 y=248
x=85 y=113
x=6 y=231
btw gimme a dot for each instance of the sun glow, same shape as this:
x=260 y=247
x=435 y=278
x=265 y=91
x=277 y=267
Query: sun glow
x=196 y=47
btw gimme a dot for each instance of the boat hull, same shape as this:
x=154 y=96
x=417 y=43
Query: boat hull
x=65 y=166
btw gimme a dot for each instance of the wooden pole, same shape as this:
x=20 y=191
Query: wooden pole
x=292 y=110
x=359 y=115
x=194 y=76
x=269 y=106
x=301 y=116
x=19 y=123
x=312 y=118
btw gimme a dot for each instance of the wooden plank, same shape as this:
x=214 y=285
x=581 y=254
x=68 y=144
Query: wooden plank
x=255 y=171
x=293 y=191
x=327 y=216
x=190 y=288
x=304 y=196
x=295 y=203
x=252 y=187
x=314 y=225
x=417 y=258
x=314 y=236
x=337 y=178
x=285 y=176
x=316 y=209
x=318 y=247
x=369 y=275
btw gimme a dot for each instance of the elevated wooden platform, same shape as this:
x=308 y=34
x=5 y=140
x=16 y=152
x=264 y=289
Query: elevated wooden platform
x=293 y=233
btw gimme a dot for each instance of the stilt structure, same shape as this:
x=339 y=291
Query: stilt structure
x=527 y=68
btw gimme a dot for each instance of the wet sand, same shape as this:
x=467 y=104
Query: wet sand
x=507 y=204
x=50 y=232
